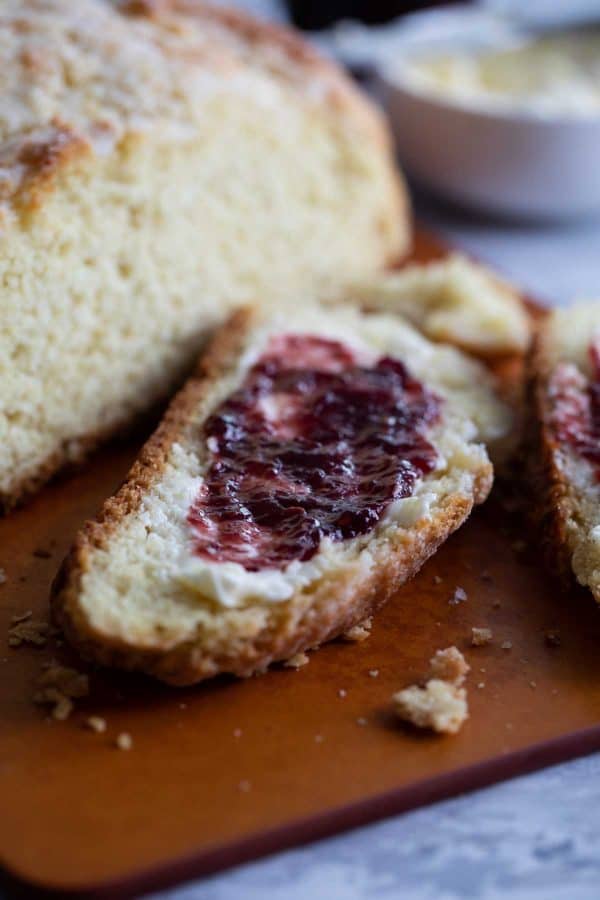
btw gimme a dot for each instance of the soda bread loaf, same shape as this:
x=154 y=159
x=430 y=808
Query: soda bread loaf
x=161 y=162
x=564 y=446
x=453 y=300
x=183 y=577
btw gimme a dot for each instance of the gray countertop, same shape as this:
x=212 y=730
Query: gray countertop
x=533 y=838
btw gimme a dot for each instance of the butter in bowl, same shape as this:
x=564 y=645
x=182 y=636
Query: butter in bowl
x=503 y=120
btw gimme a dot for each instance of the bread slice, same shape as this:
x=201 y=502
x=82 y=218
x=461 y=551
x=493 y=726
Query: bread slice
x=563 y=376
x=453 y=300
x=162 y=162
x=133 y=594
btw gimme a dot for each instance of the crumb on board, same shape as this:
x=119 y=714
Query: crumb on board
x=42 y=553
x=244 y=786
x=237 y=732
x=552 y=639
x=480 y=637
x=28 y=631
x=439 y=706
x=2 y=576
x=373 y=673
x=362 y=721
x=481 y=684
x=124 y=741
x=319 y=738
x=58 y=686
x=21 y=617
x=459 y=596
x=506 y=645
x=296 y=661
x=437 y=579
x=342 y=693
x=449 y=665
x=360 y=632
x=533 y=684
x=96 y=723
x=496 y=604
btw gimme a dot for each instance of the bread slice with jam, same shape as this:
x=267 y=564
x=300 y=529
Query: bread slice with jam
x=564 y=447
x=306 y=471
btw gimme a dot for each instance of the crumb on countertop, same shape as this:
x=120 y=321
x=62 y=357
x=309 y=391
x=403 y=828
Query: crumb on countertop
x=449 y=665
x=58 y=686
x=439 y=706
x=28 y=631
x=296 y=661
x=480 y=637
x=552 y=639
x=459 y=596
x=96 y=723
x=359 y=632
x=124 y=741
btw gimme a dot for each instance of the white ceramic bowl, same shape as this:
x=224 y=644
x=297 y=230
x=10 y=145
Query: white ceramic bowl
x=510 y=163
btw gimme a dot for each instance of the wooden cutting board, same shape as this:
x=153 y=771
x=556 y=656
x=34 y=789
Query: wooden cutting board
x=235 y=769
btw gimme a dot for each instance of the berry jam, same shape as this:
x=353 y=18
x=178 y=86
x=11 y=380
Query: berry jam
x=576 y=412
x=313 y=444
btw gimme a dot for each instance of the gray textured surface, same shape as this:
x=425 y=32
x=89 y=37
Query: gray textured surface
x=533 y=838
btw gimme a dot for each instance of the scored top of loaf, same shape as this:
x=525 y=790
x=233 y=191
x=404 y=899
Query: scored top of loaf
x=78 y=77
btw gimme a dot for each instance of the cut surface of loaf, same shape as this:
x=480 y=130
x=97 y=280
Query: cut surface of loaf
x=160 y=164
x=564 y=387
x=135 y=592
x=453 y=300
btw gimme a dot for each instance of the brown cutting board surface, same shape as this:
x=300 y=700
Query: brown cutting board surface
x=233 y=769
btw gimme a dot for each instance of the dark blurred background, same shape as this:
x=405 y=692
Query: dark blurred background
x=315 y=14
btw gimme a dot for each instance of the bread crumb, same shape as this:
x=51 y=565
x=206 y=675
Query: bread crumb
x=360 y=632
x=183 y=706
x=459 y=596
x=373 y=673
x=2 y=576
x=449 y=665
x=506 y=645
x=96 y=723
x=296 y=661
x=41 y=553
x=21 y=617
x=28 y=631
x=481 y=636
x=439 y=706
x=437 y=579
x=552 y=639
x=124 y=741
x=362 y=721
x=237 y=732
x=481 y=684
x=342 y=693
x=59 y=685
x=533 y=684
x=319 y=738
x=496 y=604
x=244 y=786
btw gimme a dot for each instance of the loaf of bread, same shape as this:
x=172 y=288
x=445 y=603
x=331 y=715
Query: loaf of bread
x=564 y=445
x=162 y=162
x=454 y=300
x=283 y=498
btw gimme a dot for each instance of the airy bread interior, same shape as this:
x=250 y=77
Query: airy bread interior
x=132 y=591
x=454 y=300
x=155 y=172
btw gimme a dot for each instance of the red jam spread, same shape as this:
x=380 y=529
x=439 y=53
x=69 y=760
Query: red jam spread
x=315 y=443
x=576 y=408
